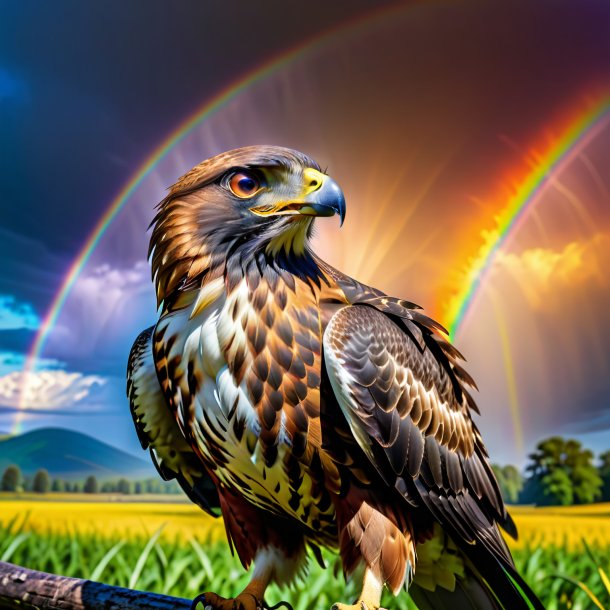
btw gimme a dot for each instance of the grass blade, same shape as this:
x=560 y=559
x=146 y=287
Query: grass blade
x=10 y=523
x=176 y=569
x=105 y=560
x=21 y=526
x=604 y=578
x=161 y=555
x=135 y=576
x=75 y=563
x=583 y=587
x=206 y=564
x=14 y=545
x=602 y=574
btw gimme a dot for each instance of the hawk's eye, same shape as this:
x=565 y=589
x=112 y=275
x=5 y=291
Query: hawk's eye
x=244 y=184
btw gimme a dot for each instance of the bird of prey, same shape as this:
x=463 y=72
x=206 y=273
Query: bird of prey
x=307 y=408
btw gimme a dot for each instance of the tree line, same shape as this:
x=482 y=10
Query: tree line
x=559 y=472
x=13 y=480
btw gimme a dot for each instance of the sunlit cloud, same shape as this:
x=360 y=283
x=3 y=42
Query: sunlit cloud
x=540 y=271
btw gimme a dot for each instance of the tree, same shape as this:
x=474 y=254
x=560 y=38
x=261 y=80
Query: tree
x=604 y=473
x=42 y=482
x=561 y=472
x=124 y=486
x=11 y=479
x=556 y=489
x=154 y=486
x=514 y=483
x=57 y=485
x=91 y=486
x=510 y=482
x=586 y=482
x=174 y=487
x=137 y=488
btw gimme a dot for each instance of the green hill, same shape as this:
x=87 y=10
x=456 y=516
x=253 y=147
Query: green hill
x=70 y=455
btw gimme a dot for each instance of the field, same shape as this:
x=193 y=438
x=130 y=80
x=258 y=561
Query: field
x=174 y=548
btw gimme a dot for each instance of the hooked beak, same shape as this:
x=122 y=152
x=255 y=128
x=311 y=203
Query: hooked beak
x=321 y=196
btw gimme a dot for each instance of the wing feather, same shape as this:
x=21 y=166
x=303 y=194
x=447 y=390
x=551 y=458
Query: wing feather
x=409 y=410
x=158 y=431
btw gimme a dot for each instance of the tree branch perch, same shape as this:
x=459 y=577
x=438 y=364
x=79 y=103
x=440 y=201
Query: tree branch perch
x=31 y=590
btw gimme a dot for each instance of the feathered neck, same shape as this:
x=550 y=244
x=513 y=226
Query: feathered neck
x=187 y=255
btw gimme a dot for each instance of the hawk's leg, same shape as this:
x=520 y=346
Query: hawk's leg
x=370 y=596
x=266 y=569
x=251 y=598
x=379 y=541
x=274 y=544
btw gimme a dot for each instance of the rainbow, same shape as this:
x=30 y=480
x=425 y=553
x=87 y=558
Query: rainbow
x=583 y=128
x=182 y=131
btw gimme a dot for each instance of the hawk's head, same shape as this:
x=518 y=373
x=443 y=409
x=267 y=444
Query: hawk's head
x=242 y=204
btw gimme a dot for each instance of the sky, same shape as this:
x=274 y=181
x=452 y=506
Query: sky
x=430 y=115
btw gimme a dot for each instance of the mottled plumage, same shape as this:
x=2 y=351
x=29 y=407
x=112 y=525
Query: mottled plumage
x=309 y=409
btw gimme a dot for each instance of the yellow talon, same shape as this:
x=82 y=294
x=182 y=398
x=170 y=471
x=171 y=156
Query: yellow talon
x=370 y=597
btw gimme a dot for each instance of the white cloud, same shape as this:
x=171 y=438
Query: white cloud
x=47 y=390
x=15 y=315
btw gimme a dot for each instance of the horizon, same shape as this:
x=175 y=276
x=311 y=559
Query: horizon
x=142 y=454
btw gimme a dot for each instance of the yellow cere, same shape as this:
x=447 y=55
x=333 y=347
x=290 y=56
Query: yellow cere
x=559 y=526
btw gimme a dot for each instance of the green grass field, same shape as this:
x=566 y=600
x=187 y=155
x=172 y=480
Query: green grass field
x=175 y=549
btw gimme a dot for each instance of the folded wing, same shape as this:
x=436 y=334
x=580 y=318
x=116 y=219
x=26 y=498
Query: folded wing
x=158 y=430
x=408 y=407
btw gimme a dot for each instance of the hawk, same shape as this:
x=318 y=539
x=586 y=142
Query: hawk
x=309 y=409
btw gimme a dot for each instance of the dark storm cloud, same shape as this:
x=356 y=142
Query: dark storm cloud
x=31 y=271
x=13 y=89
x=88 y=89
x=594 y=415
x=107 y=81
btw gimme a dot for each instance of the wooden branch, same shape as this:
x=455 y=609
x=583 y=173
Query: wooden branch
x=32 y=590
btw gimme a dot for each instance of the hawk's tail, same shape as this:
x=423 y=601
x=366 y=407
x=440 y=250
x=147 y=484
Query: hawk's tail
x=504 y=590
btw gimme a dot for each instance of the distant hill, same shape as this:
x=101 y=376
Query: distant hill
x=71 y=456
